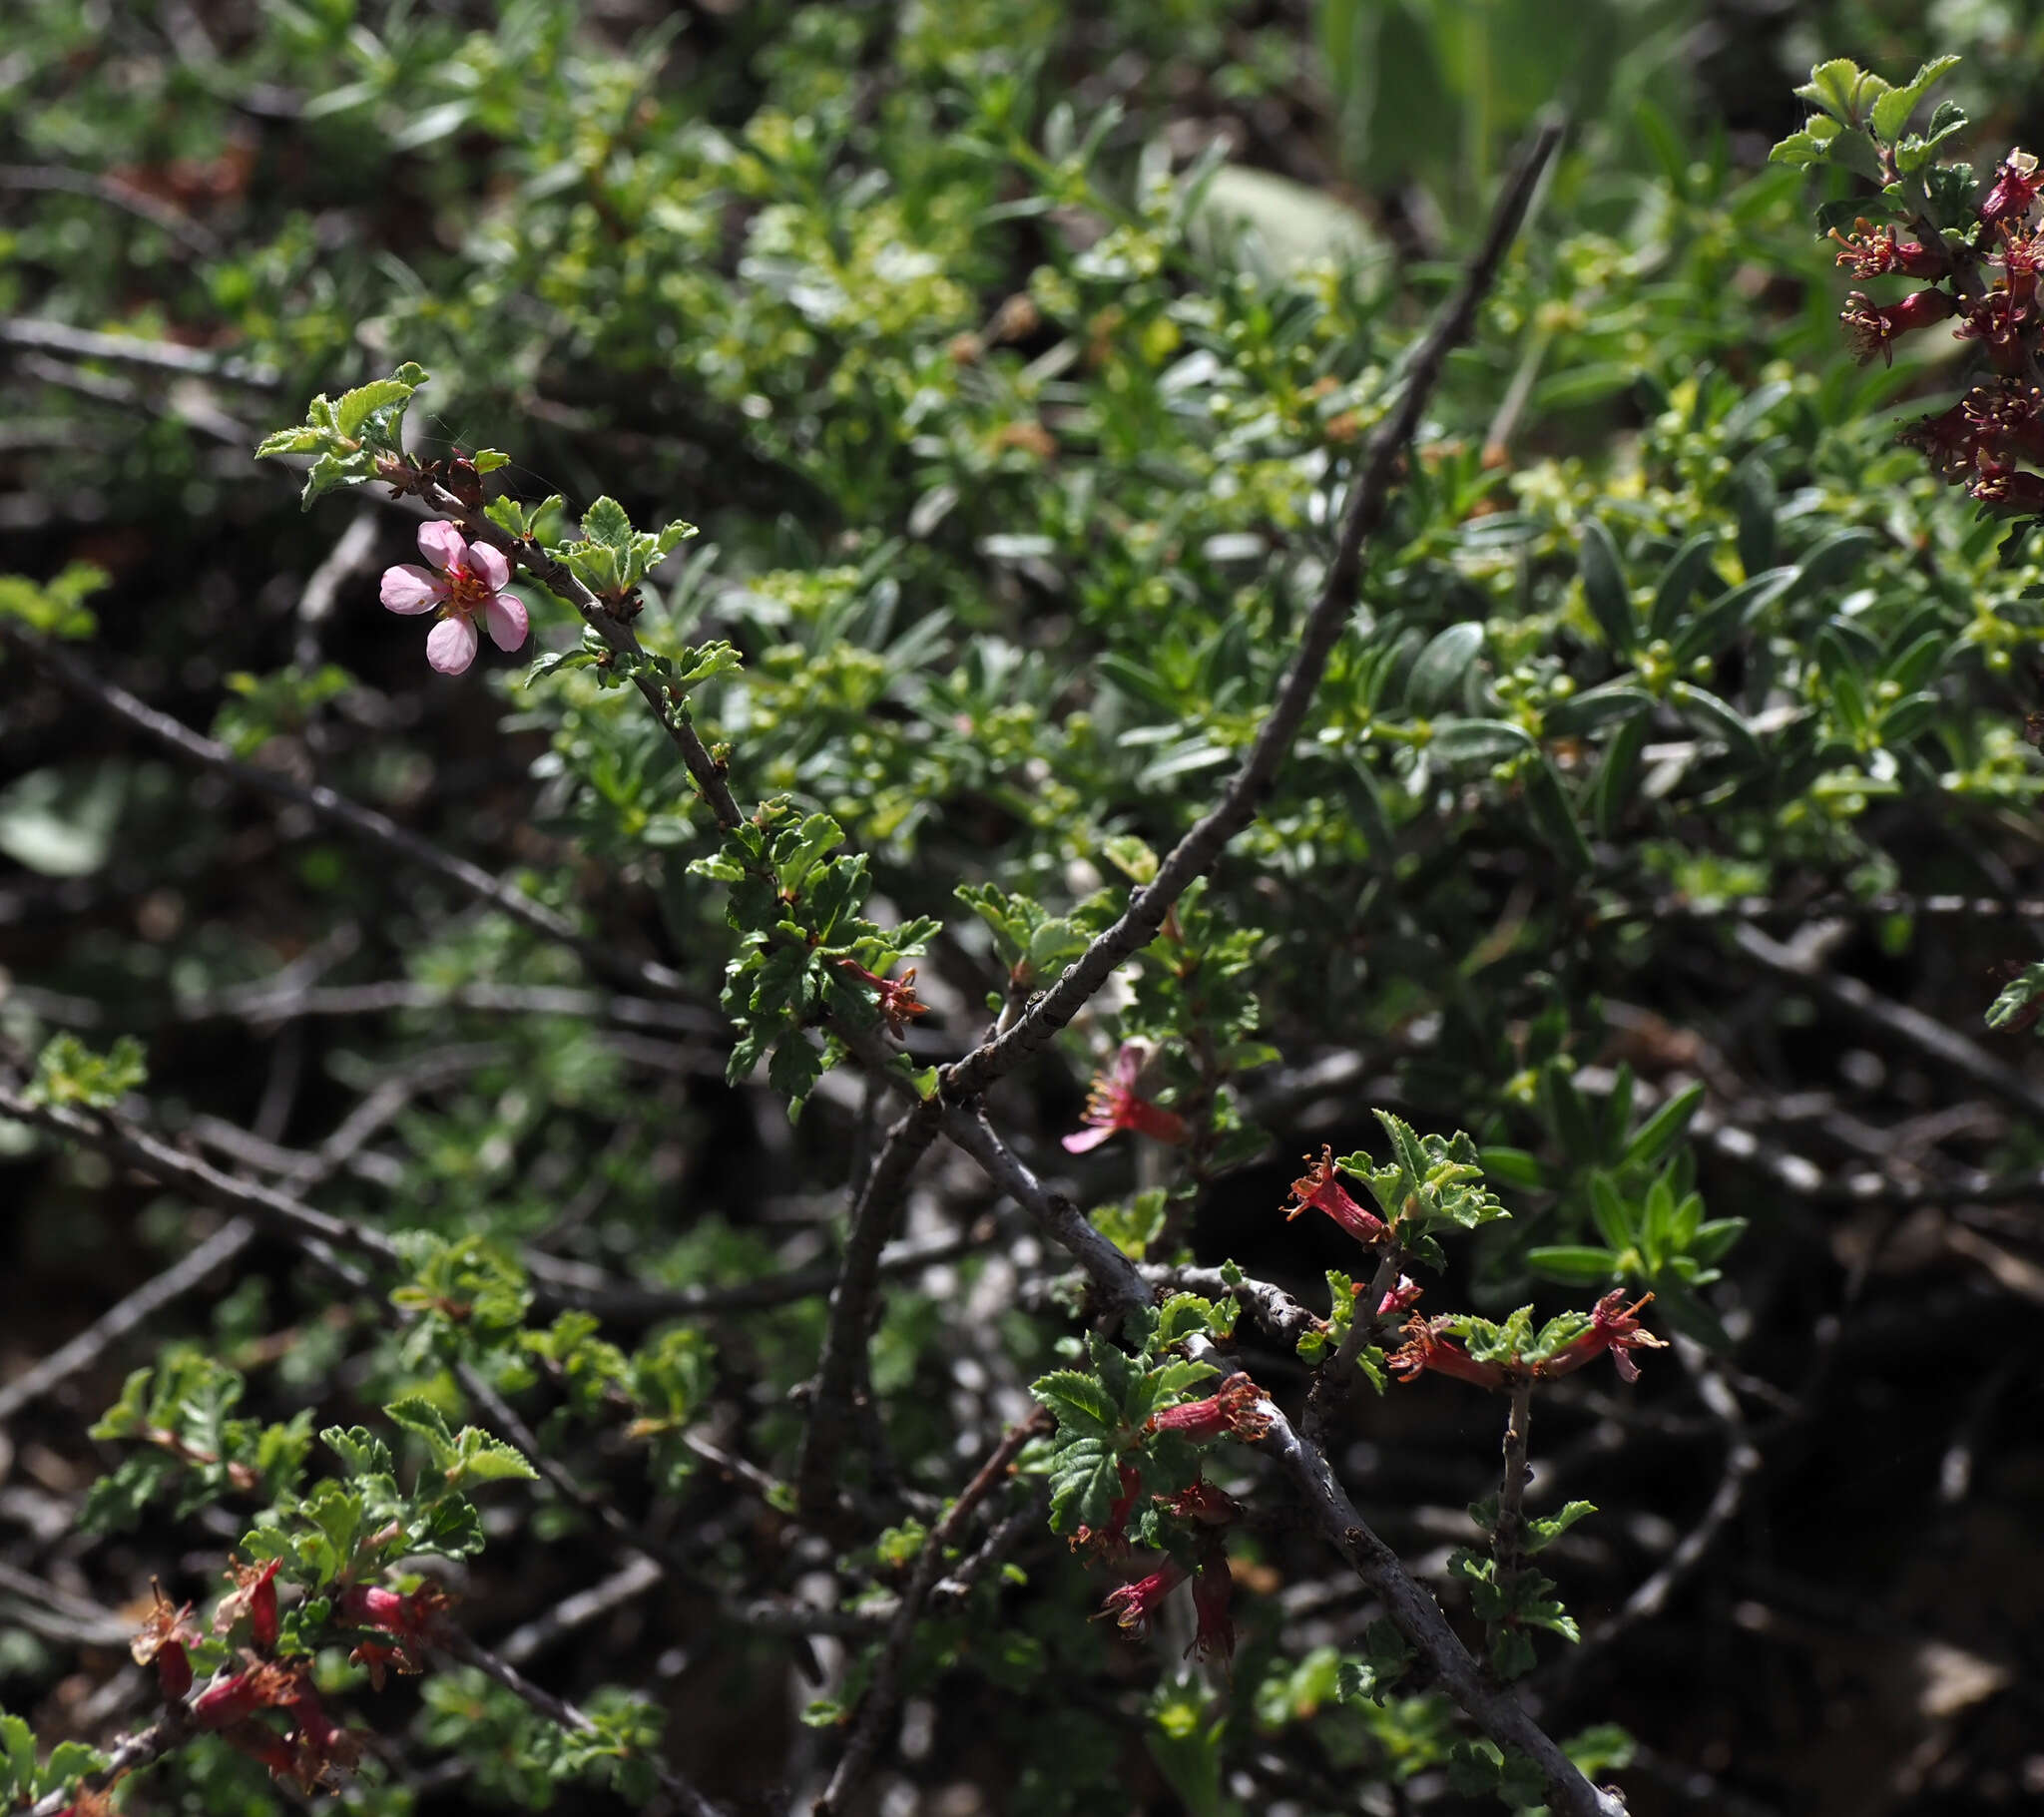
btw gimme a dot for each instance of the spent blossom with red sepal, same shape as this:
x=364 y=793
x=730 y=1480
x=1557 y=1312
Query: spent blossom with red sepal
x=234 y=1699
x=1426 y=1347
x=1870 y=252
x=1320 y=1190
x=1237 y=1410
x=2015 y=188
x=405 y=1617
x=1405 y=1295
x=1871 y=328
x=898 y=1002
x=1112 y=1540
x=464 y=583
x=1202 y=1503
x=1615 y=1328
x=1212 y=1588
x=1133 y=1604
x=253 y=1597
x=1114 y=1104
x=166 y=1636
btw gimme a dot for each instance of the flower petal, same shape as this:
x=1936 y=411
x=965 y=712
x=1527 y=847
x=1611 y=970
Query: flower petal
x=1083 y=1139
x=451 y=647
x=486 y=562
x=409 y=588
x=440 y=543
x=505 y=614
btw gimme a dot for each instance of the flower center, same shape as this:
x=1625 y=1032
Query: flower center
x=467 y=591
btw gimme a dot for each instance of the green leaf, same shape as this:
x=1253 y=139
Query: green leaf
x=1543 y=1530
x=2011 y=1008
x=1548 y=803
x=1660 y=1132
x=1078 y=1402
x=1574 y=1264
x=418 y=1414
x=606 y=524
x=1438 y=670
x=1707 y=709
x=1842 y=88
x=481 y=1458
x=1604 y=590
x=1891 y=112
x=1478 y=741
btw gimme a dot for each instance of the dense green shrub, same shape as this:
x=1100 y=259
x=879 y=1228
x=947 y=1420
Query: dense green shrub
x=924 y=455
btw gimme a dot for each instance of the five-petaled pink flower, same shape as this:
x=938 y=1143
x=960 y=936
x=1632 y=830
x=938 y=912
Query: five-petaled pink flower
x=465 y=581
x=1114 y=1103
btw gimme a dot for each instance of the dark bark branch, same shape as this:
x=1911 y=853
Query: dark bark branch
x=876 y=1711
x=1369 y=499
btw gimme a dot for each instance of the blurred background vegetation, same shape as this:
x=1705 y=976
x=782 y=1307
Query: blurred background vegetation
x=1009 y=444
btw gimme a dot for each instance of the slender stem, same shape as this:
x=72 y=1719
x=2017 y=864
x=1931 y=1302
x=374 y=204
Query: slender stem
x=1369 y=499
x=1508 y=1532
x=1335 y=1379
x=365 y=823
x=876 y=1713
x=840 y=1368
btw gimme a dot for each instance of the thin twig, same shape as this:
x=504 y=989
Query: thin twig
x=37 y=337
x=365 y=823
x=876 y=1711
x=559 y=1711
x=1368 y=499
x=158 y=212
x=1335 y=1379
x=839 y=1367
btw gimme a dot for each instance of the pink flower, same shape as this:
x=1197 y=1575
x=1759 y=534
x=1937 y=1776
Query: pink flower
x=466 y=580
x=1114 y=1103
x=1318 y=1189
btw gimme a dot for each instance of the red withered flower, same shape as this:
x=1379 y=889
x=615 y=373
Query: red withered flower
x=1113 y=1103
x=254 y=1596
x=1872 y=330
x=1133 y=1604
x=1112 y=1540
x=1320 y=1190
x=1425 y=1348
x=1210 y=1586
x=407 y=1617
x=1201 y=1501
x=1873 y=252
x=1615 y=1328
x=2015 y=188
x=163 y=1636
x=234 y=1700
x=1237 y=1410
x=898 y=1002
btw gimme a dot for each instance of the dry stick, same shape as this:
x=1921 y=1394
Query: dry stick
x=558 y=1711
x=1946 y=1047
x=38 y=337
x=1368 y=503
x=55 y=177
x=365 y=823
x=1122 y=1287
x=841 y=1366
x=1508 y=1530
x=639 y=1575
x=876 y=1711
x=164 y=1736
x=1335 y=1380
x=1283 y=1317
x=86 y=1349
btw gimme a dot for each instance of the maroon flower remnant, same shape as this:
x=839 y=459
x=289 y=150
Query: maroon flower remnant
x=2005 y=489
x=2015 y=188
x=898 y=1003
x=1201 y=1501
x=1424 y=1348
x=1113 y=1103
x=1237 y=1409
x=1318 y=1189
x=407 y=1616
x=231 y=1700
x=254 y=1596
x=1996 y=321
x=1134 y=1603
x=321 y=1751
x=1876 y=253
x=1948 y=440
x=164 y=1634
x=1870 y=329
x=1112 y=1540
x=1405 y=1293
x=1615 y=1328
x=263 y=1743
x=1210 y=1586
